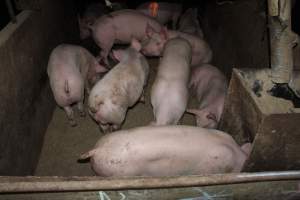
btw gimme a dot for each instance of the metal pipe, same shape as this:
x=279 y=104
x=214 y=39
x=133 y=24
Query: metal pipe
x=94 y=183
x=11 y=11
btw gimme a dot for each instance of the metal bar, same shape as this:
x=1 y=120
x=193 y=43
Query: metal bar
x=11 y=11
x=93 y=183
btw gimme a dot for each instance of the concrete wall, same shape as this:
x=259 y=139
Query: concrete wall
x=237 y=33
x=26 y=101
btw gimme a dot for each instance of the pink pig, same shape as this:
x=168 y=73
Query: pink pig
x=166 y=12
x=69 y=67
x=119 y=89
x=166 y=151
x=169 y=93
x=120 y=27
x=210 y=86
x=154 y=45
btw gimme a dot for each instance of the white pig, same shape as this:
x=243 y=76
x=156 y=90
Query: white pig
x=210 y=86
x=69 y=67
x=162 y=11
x=188 y=23
x=169 y=93
x=119 y=89
x=119 y=27
x=156 y=40
x=166 y=151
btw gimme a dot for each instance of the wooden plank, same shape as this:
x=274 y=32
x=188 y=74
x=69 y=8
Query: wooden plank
x=240 y=116
x=56 y=184
x=264 y=190
x=270 y=123
x=276 y=146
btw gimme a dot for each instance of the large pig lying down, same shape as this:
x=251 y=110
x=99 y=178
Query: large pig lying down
x=69 y=67
x=166 y=151
x=119 y=89
x=119 y=27
x=169 y=93
x=165 y=11
x=210 y=87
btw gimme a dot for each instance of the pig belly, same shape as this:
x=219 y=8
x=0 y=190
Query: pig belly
x=169 y=101
x=166 y=151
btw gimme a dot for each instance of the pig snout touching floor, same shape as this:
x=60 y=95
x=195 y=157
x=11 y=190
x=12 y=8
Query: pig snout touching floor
x=162 y=11
x=155 y=42
x=119 y=89
x=169 y=93
x=120 y=27
x=69 y=67
x=210 y=87
x=189 y=23
x=166 y=151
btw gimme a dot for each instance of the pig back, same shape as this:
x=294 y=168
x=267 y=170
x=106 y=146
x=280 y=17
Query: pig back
x=176 y=58
x=177 y=150
x=64 y=68
x=131 y=23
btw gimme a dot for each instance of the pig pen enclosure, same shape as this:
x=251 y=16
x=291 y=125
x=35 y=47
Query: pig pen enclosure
x=37 y=140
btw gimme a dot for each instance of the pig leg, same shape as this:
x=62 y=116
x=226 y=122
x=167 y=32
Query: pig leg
x=81 y=108
x=105 y=128
x=247 y=147
x=142 y=98
x=70 y=114
x=105 y=49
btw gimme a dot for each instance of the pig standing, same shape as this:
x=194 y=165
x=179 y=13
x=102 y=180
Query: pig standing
x=166 y=151
x=119 y=89
x=120 y=27
x=154 y=45
x=88 y=18
x=210 y=87
x=169 y=94
x=188 y=23
x=165 y=11
x=68 y=68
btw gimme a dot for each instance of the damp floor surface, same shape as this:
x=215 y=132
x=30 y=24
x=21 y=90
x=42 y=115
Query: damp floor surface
x=63 y=144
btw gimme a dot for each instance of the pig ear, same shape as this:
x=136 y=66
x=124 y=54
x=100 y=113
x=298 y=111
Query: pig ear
x=117 y=54
x=149 y=30
x=193 y=111
x=212 y=117
x=136 y=44
x=164 y=33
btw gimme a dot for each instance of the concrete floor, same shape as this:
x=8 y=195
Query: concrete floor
x=63 y=144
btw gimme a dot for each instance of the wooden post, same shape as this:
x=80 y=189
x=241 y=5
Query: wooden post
x=282 y=40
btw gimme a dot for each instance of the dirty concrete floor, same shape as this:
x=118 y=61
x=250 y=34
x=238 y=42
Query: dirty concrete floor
x=63 y=144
